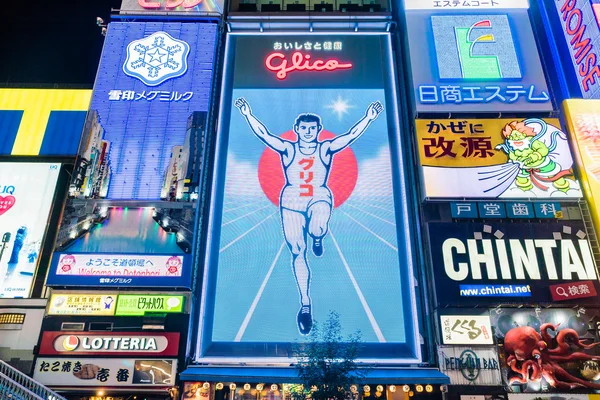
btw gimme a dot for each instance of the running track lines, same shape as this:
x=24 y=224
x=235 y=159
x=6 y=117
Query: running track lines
x=245 y=233
x=237 y=208
x=381 y=208
x=370 y=231
x=242 y=330
x=359 y=292
x=245 y=215
x=372 y=215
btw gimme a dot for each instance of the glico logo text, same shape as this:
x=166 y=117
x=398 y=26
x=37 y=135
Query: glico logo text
x=475 y=47
x=277 y=62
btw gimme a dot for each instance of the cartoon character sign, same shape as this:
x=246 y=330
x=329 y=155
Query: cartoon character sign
x=553 y=350
x=496 y=159
x=306 y=201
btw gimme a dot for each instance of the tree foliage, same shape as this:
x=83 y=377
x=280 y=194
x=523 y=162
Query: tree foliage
x=327 y=365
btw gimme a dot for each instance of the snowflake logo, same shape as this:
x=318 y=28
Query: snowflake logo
x=156 y=58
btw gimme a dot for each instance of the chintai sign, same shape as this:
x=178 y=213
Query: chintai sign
x=478 y=263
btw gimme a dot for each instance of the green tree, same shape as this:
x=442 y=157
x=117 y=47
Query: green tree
x=327 y=365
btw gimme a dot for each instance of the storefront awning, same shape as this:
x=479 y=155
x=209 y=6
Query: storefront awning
x=288 y=375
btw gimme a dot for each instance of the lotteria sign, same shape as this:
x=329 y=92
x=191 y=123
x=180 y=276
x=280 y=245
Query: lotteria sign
x=497 y=263
x=122 y=343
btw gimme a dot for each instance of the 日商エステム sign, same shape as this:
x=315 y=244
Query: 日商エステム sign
x=471 y=61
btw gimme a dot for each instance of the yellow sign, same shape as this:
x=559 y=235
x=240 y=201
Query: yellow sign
x=495 y=158
x=29 y=113
x=583 y=120
x=82 y=304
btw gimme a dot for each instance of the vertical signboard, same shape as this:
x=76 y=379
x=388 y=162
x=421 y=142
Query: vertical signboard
x=471 y=60
x=45 y=122
x=495 y=158
x=574 y=32
x=26 y=195
x=583 y=119
x=307 y=211
x=130 y=216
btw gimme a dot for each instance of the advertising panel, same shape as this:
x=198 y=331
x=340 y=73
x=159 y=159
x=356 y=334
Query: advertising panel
x=475 y=61
x=98 y=304
x=180 y=8
x=496 y=158
x=130 y=216
x=306 y=211
x=140 y=304
x=583 y=120
x=80 y=372
x=44 y=122
x=26 y=195
x=163 y=344
x=548 y=350
x=470 y=365
x=466 y=329
x=464 y=5
x=477 y=263
x=573 y=28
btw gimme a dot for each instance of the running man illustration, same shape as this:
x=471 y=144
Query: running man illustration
x=305 y=201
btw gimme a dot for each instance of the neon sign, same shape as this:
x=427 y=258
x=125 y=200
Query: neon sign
x=170 y=4
x=301 y=62
x=581 y=43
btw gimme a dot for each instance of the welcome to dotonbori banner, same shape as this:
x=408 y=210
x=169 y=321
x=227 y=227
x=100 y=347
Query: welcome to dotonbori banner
x=478 y=263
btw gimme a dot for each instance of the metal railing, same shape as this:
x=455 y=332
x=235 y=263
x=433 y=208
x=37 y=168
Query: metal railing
x=10 y=389
x=16 y=385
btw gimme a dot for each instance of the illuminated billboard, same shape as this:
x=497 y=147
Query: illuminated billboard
x=26 y=196
x=180 y=8
x=573 y=29
x=44 y=122
x=130 y=216
x=564 y=358
x=583 y=119
x=469 y=61
x=496 y=158
x=306 y=211
x=446 y=5
x=476 y=263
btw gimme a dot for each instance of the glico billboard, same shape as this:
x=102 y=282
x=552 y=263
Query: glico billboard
x=476 y=263
x=130 y=217
x=307 y=215
x=471 y=60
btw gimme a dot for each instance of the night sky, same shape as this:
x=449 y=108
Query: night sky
x=51 y=42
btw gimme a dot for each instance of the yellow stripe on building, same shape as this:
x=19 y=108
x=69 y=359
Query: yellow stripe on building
x=36 y=105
